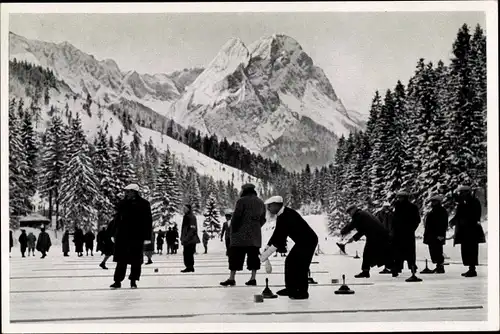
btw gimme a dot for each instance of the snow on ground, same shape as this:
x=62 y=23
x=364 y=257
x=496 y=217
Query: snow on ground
x=54 y=290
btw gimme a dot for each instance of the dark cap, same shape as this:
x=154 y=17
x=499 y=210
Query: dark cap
x=247 y=186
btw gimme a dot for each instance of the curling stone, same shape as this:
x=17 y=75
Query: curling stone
x=344 y=289
x=413 y=278
x=258 y=298
x=267 y=293
x=426 y=269
x=156 y=270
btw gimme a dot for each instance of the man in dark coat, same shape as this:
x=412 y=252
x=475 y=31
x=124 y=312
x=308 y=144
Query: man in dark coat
x=246 y=237
x=23 y=242
x=159 y=242
x=290 y=224
x=385 y=216
x=225 y=231
x=376 y=249
x=65 y=243
x=436 y=224
x=31 y=244
x=78 y=239
x=468 y=230
x=405 y=222
x=89 y=242
x=189 y=238
x=43 y=244
x=175 y=238
x=99 y=241
x=133 y=225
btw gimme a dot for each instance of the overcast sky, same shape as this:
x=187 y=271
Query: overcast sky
x=359 y=52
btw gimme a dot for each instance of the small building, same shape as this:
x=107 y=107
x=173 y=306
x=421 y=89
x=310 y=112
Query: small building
x=34 y=220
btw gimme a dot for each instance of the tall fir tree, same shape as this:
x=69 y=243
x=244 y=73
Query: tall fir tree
x=122 y=163
x=193 y=194
x=29 y=142
x=211 y=223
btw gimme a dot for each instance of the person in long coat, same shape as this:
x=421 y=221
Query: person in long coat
x=23 y=242
x=290 y=224
x=385 y=215
x=31 y=243
x=189 y=238
x=149 y=248
x=205 y=239
x=436 y=224
x=65 y=243
x=468 y=230
x=43 y=244
x=170 y=241
x=78 y=240
x=99 y=240
x=159 y=243
x=107 y=245
x=175 y=238
x=246 y=237
x=133 y=227
x=89 y=242
x=405 y=222
x=225 y=235
x=377 y=248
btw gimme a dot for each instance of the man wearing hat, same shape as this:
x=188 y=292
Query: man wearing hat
x=225 y=230
x=405 y=222
x=246 y=237
x=436 y=224
x=289 y=223
x=376 y=249
x=468 y=230
x=132 y=228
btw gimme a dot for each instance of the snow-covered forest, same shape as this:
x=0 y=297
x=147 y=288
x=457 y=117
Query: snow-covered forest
x=426 y=137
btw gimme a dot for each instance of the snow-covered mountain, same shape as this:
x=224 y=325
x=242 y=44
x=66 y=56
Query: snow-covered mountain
x=103 y=116
x=101 y=79
x=269 y=97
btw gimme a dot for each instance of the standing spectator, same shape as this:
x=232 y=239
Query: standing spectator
x=436 y=224
x=405 y=222
x=11 y=241
x=107 y=246
x=290 y=224
x=225 y=231
x=31 y=244
x=246 y=236
x=89 y=242
x=132 y=229
x=23 y=242
x=99 y=240
x=385 y=216
x=170 y=242
x=376 y=248
x=175 y=237
x=65 y=243
x=78 y=240
x=189 y=238
x=468 y=230
x=159 y=243
x=43 y=244
x=205 y=238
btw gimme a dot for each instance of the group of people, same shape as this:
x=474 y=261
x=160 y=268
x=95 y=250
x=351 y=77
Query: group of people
x=390 y=233
x=29 y=242
x=80 y=240
x=170 y=237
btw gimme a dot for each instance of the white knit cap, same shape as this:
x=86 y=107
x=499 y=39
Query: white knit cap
x=274 y=199
x=132 y=186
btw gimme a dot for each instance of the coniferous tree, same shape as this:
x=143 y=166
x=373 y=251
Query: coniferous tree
x=211 y=223
x=80 y=186
x=193 y=194
x=28 y=138
x=122 y=164
x=53 y=160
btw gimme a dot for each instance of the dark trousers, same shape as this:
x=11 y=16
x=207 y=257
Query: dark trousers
x=23 y=250
x=237 y=258
x=436 y=252
x=297 y=269
x=228 y=245
x=205 y=246
x=121 y=270
x=470 y=253
x=169 y=249
x=188 y=253
x=404 y=250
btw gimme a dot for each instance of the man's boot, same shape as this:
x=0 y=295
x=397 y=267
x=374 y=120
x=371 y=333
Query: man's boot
x=439 y=269
x=363 y=274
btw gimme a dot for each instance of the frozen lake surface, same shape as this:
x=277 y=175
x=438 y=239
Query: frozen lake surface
x=58 y=290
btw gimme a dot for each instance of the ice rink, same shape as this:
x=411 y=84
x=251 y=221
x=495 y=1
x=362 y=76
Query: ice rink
x=68 y=290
